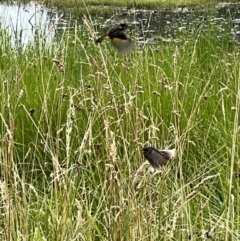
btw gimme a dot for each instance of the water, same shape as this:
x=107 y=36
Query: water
x=26 y=23
x=166 y=25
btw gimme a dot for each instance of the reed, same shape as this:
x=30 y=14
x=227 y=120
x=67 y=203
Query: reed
x=75 y=116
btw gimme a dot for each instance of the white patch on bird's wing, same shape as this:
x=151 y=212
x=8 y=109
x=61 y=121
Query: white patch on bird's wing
x=170 y=152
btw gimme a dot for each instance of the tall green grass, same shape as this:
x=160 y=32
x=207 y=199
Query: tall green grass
x=75 y=116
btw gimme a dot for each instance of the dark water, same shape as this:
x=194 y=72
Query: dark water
x=166 y=25
x=26 y=22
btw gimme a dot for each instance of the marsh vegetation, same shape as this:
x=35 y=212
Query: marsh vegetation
x=75 y=116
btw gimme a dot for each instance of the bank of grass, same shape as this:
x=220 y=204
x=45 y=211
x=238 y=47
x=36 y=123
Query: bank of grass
x=74 y=118
x=136 y=3
x=106 y=7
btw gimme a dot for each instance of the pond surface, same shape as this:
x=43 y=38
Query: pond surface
x=25 y=23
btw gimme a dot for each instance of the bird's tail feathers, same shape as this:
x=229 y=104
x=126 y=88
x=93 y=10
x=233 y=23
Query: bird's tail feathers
x=171 y=152
x=99 y=40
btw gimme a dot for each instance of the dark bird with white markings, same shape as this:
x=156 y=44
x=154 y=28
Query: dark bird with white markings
x=158 y=158
x=119 y=40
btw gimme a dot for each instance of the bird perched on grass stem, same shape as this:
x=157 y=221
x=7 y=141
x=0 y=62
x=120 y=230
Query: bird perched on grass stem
x=157 y=158
x=118 y=38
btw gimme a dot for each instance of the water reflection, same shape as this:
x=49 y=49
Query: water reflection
x=25 y=23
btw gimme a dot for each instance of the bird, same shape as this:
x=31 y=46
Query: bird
x=158 y=158
x=119 y=40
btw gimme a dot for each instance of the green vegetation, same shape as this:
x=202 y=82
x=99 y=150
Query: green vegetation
x=109 y=6
x=75 y=116
x=73 y=4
